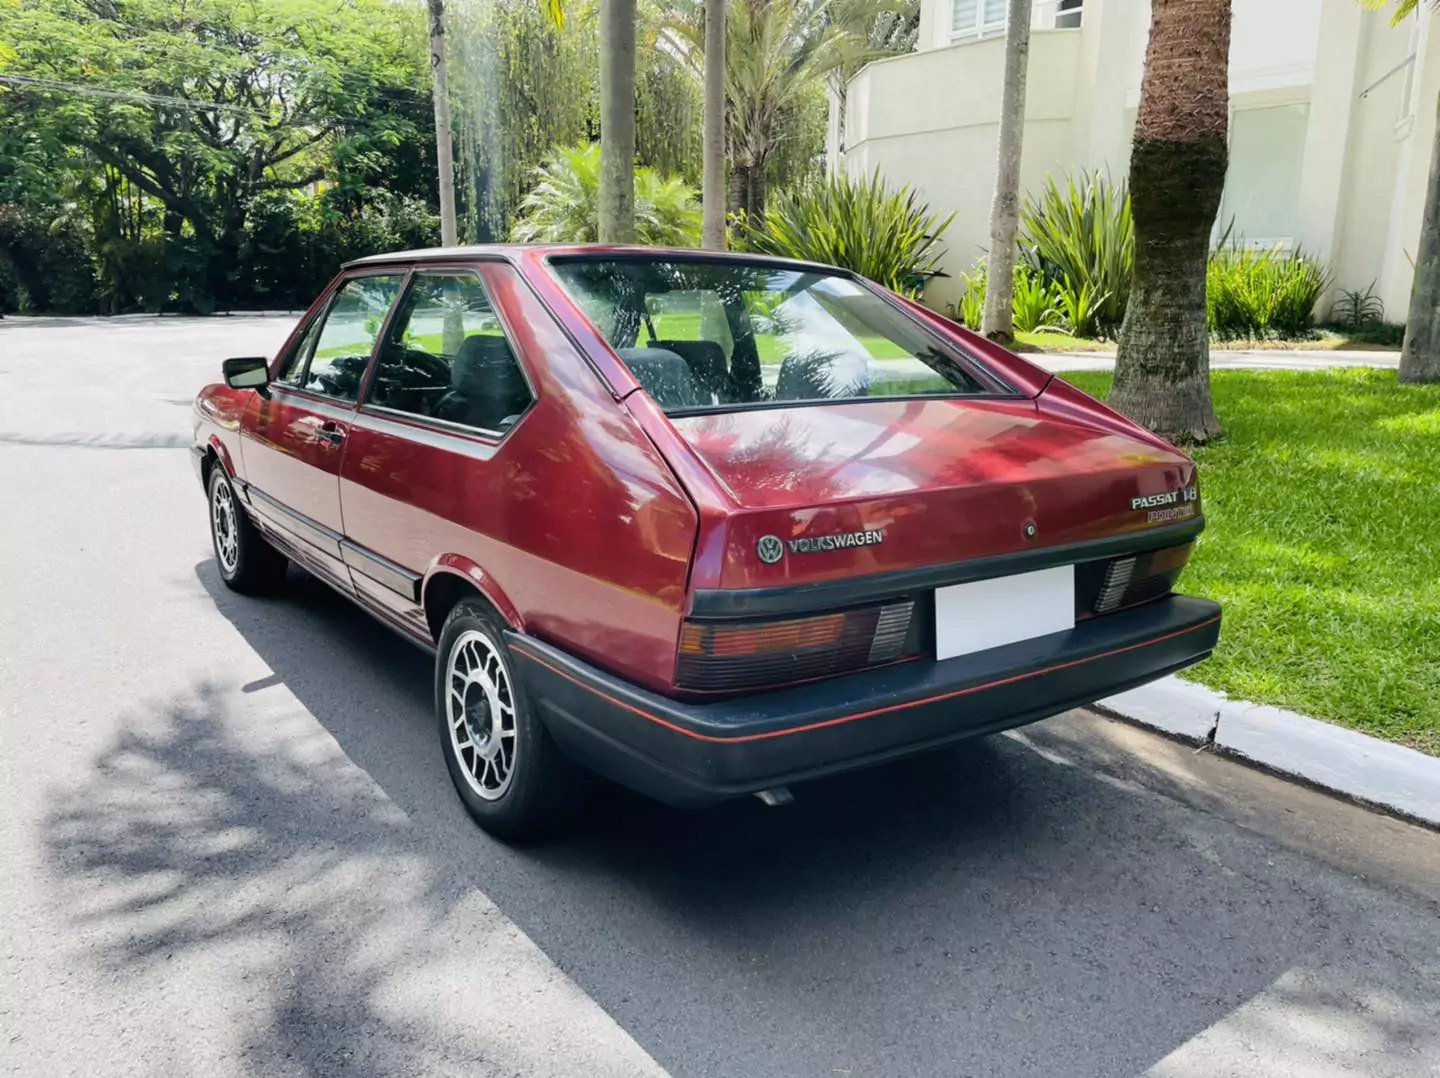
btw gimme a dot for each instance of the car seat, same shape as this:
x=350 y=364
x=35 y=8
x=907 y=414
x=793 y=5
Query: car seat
x=487 y=388
x=706 y=360
x=665 y=376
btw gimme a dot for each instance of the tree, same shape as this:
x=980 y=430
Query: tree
x=1420 y=354
x=205 y=108
x=998 y=322
x=563 y=203
x=617 y=121
x=1177 y=174
x=444 y=140
x=713 y=184
x=780 y=55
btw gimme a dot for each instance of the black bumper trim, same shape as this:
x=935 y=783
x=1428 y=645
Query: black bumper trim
x=851 y=591
x=696 y=752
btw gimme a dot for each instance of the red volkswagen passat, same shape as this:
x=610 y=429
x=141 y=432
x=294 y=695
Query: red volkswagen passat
x=708 y=525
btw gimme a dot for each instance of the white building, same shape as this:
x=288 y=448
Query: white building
x=1332 y=120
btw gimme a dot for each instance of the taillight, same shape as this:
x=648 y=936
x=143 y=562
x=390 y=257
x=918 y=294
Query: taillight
x=741 y=656
x=1131 y=580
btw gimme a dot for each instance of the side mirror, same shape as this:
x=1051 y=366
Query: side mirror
x=249 y=372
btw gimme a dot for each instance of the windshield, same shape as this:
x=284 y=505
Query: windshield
x=726 y=335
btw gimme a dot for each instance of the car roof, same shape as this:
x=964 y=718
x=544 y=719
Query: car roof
x=511 y=251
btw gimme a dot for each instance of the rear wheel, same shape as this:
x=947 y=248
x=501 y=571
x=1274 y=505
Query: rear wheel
x=511 y=776
x=248 y=564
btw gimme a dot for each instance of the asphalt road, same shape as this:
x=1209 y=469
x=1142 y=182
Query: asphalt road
x=230 y=847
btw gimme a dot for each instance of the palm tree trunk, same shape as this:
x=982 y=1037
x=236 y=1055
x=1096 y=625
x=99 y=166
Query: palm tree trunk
x=755 y=187
x=617 y=121
x=998 y=322
x=444 y=162
x=1420 y=357
x=739 y=189
x=712 y=193
x=1177 y=173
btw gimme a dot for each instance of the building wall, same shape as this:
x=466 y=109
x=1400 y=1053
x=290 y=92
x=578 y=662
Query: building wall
x=1342 y=176
x=931 y=120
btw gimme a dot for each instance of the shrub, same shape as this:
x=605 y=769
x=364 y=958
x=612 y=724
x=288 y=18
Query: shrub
x=1254 y=294
x=1355 y=309
x=1037 y=304
x=885 y=234
x=1078 y=234
x=563 y=206
x=970 y=311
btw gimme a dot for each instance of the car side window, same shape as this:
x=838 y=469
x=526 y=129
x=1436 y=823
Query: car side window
x=447 y=357
x=293 y=370
x=347 y=335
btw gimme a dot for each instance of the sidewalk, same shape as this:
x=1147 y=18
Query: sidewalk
x=1378 y=773
x=1251 y=360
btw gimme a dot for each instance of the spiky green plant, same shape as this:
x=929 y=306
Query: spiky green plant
x=563 y=206
x=971 y=309
x=1078 y=230
x=883 y=233
x=1036 y=302
x=1254 y=294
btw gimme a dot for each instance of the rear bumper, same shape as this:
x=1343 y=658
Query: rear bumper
x=689 y=753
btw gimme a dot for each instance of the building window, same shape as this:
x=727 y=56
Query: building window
x=971 y=19
x=1068 y=14
x=1262 y=186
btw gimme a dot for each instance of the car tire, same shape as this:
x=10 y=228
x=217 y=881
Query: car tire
x=512 y=777
x=248 y=564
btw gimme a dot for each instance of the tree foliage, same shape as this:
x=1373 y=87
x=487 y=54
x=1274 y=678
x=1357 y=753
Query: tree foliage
x=165 y=124
x=882 y=233
x=564 y=204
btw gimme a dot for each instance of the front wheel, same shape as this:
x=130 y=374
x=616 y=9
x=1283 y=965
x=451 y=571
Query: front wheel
x=248 y=564
x=513 y=779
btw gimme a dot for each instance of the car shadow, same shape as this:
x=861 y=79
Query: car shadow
x=998 y=908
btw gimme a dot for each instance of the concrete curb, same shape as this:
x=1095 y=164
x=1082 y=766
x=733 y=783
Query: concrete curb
x=1379 y=773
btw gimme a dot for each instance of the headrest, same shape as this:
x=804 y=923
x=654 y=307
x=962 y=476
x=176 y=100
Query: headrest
x=484 y=364
x=665 y=376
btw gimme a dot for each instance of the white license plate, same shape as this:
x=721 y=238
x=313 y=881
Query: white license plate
x=1005 y=610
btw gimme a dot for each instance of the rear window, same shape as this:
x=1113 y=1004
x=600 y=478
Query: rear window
x=724 y=335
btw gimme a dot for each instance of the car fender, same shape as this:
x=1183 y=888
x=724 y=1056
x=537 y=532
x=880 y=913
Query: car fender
x=457 y=565
x=222 y=454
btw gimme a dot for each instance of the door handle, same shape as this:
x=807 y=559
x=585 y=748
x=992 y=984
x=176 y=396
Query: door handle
x=330 y=432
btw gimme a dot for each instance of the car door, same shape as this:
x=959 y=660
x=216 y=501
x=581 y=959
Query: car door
x=428 y=445
x=294 y=435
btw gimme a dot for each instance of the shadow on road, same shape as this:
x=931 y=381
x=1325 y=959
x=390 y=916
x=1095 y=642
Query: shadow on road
x=997 y=909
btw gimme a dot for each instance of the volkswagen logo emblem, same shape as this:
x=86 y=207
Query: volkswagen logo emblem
x=770 y=549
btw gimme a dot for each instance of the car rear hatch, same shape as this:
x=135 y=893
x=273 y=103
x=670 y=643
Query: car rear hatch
x=870 y=506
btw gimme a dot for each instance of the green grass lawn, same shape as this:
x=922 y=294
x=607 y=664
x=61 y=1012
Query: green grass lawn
x=1323 y=545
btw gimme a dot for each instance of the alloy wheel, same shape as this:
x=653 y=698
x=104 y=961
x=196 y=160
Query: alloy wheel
x=226 y=527
x=480 y=709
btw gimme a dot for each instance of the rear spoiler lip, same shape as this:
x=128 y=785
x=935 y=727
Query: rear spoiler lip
x=820 y=596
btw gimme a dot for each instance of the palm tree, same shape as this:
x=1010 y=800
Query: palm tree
x=1177 y=173
x=998 y=322
x=617 y=121
x=444 y=146
x=563 y=205
x=777 y=53
x=713 y=180
x=1420 y=354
